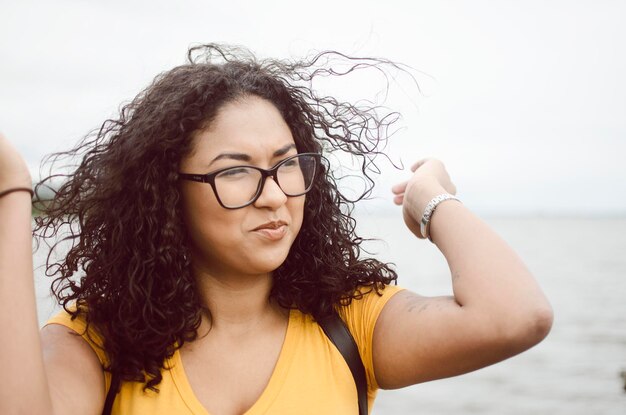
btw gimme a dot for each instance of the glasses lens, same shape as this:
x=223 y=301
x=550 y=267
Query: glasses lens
x=295 y=175
x=237 y=186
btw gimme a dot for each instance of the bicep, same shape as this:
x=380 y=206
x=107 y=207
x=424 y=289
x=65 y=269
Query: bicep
x=418 y=339
x=75 y=375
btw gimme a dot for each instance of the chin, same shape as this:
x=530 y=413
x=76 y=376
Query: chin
x=272 y=265
x=269 y=262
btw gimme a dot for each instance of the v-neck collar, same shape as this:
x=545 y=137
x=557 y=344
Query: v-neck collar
x=274 y=385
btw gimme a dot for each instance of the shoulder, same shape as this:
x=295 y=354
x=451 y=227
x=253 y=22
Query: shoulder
x=367 y=303
x=73 y=365
x=361 y=316
x=79 y=328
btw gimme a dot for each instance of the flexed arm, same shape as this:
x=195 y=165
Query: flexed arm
x=497 y=311
x=76 y=380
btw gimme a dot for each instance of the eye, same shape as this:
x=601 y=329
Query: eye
x=235 y=172
x=292 y=162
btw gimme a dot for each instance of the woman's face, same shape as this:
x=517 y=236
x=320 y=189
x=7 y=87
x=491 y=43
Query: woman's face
x=249 y=131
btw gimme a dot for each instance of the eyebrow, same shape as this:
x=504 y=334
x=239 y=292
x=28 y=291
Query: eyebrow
x=244 y=157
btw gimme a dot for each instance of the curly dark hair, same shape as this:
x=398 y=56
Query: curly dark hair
x=119 y=208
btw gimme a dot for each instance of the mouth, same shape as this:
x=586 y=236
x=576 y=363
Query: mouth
x=273 y=225
x=273 y=231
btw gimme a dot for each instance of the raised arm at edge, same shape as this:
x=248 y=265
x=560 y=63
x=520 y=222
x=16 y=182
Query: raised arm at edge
x=24 y=384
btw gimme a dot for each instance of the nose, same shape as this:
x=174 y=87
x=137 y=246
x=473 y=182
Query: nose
x=271 y=195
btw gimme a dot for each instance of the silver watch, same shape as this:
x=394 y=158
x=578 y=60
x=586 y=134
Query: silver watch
x=428 y=212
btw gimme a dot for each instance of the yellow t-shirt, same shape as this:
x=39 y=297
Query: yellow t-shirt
x=310 y=376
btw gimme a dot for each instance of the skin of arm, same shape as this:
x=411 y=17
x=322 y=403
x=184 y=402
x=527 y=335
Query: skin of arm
x=497 y=311
x=24 y=384
x=72 y=391
x=26 y=388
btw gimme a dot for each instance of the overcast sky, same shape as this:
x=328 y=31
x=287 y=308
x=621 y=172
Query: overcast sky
x=524 y=101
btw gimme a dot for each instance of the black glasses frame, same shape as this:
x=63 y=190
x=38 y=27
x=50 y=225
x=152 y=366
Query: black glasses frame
x=273 y=173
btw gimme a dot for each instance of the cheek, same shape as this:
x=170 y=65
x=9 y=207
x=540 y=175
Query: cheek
x=297 y=213
x=192 y=206
x=205 y=219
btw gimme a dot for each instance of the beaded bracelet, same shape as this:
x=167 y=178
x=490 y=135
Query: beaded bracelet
x=17 y=189
x=428 y=213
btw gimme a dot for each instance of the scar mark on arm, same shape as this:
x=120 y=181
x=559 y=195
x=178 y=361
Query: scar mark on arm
x=418 y=303
x=422 y=308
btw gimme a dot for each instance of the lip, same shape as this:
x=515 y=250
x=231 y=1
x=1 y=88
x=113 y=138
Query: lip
x=275 y=224
x=274 y=230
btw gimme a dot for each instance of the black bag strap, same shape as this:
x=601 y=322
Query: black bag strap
x=337 y=331
x=108 y=403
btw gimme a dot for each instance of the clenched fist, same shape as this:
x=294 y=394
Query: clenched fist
x=429 y=179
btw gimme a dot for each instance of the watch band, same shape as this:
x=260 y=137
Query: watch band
x=428 y=213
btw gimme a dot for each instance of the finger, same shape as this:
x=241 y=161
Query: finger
x=453 y=189
x=419 y=163
x=398 y=199
x=400 y=187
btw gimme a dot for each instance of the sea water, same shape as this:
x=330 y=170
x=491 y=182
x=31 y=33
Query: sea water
x=580 y=264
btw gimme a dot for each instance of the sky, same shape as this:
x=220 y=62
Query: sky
x=524 y=102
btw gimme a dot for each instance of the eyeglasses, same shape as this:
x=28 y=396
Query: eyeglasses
x=239 y=186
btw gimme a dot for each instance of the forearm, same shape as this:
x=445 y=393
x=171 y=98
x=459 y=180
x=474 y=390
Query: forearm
x=488 y=277
x=24 y=385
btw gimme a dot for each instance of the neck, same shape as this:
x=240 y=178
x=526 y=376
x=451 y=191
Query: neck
x=236 y=303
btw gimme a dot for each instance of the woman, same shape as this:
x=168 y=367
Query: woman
x=212 y=237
